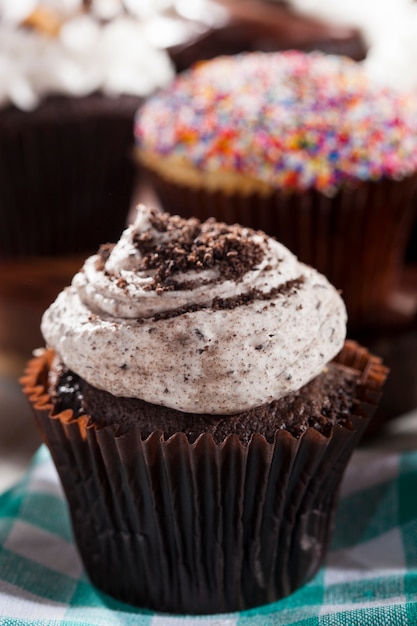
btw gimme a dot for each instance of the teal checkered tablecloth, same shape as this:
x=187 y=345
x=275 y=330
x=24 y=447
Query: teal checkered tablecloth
x=370 y=577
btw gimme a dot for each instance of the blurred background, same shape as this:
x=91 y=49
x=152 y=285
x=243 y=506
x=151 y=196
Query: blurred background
x=72 y=75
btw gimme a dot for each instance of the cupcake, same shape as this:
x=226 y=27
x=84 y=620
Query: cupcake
x=303 y=146
x=200 y=403
x=73 y=75
x=243 y=26
x=391 y=51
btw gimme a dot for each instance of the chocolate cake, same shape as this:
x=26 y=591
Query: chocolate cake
x=200 y=403
x=321 y=404
x=267 y=26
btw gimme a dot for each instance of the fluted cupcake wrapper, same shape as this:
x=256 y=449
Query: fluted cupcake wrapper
x=201 y=527
x=357 y=238
x=66 y=175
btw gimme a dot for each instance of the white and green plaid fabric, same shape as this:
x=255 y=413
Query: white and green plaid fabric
x=370 y=577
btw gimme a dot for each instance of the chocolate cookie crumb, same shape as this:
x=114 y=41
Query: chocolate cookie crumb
x=195 y=245
x=102 y=255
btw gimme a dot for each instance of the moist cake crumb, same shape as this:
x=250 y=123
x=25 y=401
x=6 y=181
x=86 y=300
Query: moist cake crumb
x=325 y=401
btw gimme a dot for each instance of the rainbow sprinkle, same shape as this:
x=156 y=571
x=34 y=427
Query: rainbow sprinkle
x=293 y=120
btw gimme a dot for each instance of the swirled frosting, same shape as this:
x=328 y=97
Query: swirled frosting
x=200 y=317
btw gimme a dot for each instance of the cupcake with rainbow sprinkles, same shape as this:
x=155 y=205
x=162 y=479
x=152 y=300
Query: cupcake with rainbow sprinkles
x=302 y=145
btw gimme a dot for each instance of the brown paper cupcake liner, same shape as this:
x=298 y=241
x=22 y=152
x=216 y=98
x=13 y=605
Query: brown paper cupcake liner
x=202 y=527
x=66 y=175
x=357 y=239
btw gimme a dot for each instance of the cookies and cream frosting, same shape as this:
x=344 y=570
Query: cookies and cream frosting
x=292 y=120
x=200 y=317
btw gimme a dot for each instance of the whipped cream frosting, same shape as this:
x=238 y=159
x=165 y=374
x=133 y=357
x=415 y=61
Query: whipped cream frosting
x=59 y=47
x=200 y=317
x=389 y=29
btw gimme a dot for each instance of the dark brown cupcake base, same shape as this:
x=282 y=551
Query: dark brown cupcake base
x=321 y=403
x=66 y=175
x=202 y=527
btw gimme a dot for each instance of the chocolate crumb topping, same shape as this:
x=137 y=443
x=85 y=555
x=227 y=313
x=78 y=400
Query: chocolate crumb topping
x=286 y=289
x=102 y=256
x=195 y=245
x=233 y=302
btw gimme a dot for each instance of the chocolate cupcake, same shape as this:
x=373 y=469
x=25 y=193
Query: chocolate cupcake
x=303 y=146
x=200 y=404
x=72 y=79
x=247 y=26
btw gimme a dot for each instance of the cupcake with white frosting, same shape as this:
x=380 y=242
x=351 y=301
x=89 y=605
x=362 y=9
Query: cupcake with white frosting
x=197 y=387
x=72 y=75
